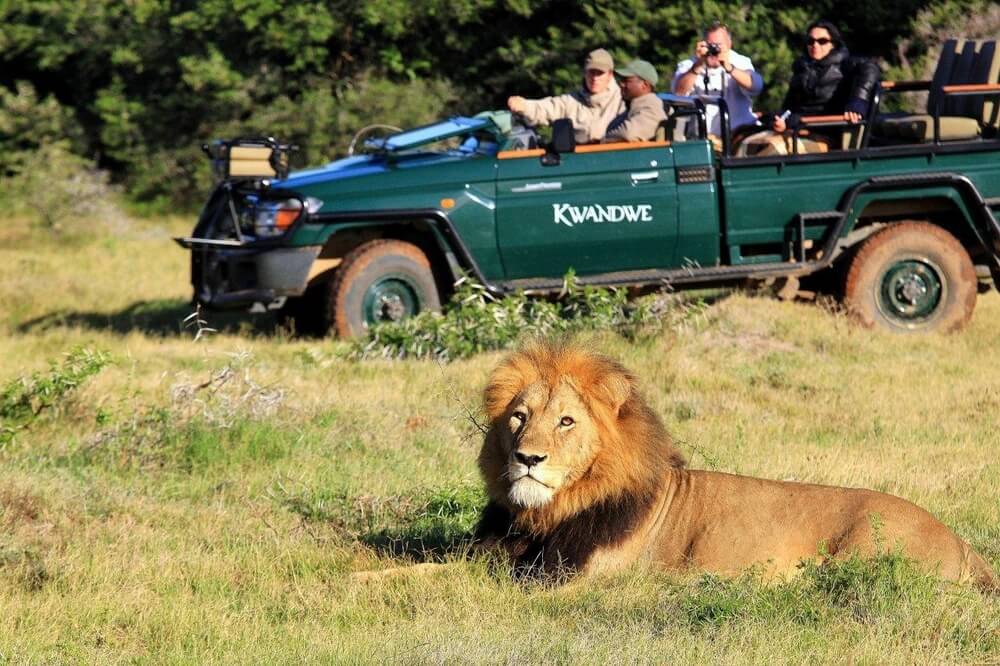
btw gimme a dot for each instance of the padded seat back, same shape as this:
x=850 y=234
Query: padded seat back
x=963 y=117
x=962 y=67
x=965 y=62
x=987 y=71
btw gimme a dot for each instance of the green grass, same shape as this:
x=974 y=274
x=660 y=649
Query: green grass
x=206 y=502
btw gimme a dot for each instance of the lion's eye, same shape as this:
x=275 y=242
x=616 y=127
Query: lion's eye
x=519 y=416
x=566 y=421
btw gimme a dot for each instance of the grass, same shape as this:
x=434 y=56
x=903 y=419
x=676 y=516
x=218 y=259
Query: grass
x=206 y=502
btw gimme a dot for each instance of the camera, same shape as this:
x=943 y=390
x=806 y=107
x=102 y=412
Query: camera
x=714 y=49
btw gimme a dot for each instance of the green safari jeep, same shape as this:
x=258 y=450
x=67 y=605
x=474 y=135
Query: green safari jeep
x=903 y=231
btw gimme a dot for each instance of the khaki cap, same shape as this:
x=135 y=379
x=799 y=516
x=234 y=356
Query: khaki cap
x=599 y=59
x=640 y=68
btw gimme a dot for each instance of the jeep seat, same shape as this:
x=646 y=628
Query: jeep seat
x=964 y=68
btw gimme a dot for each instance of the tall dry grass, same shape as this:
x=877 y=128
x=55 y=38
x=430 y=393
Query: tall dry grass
x=205 y=502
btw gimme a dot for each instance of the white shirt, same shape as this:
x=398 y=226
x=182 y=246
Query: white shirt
x=719 y=82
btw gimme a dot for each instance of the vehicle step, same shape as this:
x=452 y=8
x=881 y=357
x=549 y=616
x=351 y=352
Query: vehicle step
x=678 y=276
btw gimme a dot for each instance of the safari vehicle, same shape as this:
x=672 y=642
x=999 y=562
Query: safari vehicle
x=901 y=224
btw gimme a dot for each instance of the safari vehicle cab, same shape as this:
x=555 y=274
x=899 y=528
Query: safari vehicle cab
x=901 y=224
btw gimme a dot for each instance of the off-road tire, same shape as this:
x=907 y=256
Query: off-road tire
x=381 y=280
x=911 y=277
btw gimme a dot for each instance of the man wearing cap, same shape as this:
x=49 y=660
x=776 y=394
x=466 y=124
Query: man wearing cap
x=645 y=109
x=591 y=109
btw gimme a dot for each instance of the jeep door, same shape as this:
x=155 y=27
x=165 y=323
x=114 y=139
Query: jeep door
x=601 y=209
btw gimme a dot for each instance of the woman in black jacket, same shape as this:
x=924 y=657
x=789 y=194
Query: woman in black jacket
x=828 y=80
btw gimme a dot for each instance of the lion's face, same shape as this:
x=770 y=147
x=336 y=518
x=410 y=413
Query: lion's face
x=568 y=430
x=549 y=440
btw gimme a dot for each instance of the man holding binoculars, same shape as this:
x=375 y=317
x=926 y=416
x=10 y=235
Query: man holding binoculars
x=716 y=69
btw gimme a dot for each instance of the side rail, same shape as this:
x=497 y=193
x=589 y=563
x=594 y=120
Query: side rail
x=864 y=128
x=696 y=105
x=682 y=106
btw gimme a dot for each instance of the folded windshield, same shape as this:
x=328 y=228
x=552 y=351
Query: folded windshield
x=421 y=136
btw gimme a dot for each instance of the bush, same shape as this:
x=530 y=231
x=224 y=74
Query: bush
x=27 y=124
x=869 y=589
x=42 y=175
x=475 y=321
x=62 y=192
x=23 y=399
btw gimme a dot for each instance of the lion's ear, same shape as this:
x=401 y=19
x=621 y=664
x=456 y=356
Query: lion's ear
x=509 y=379
x=615 y=388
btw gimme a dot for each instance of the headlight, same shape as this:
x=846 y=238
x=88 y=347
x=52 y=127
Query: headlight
x=273 y=218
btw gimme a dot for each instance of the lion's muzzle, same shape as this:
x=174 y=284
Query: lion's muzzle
x=527 y=489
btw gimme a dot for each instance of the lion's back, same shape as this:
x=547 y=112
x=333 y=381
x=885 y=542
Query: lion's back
x=733 y=522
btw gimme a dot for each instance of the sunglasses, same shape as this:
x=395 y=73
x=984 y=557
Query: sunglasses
x=822 y=41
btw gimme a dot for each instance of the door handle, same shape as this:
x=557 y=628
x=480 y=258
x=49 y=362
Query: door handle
x=645 y=177
x=545 y=186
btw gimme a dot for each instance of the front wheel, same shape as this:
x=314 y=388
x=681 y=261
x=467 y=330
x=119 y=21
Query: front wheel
x=911 y=277
x=382 y=280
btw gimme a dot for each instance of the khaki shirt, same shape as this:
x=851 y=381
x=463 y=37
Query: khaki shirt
x=639 y=123
x=590 y=114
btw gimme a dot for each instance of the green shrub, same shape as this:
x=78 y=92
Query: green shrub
x=25 y=398
x=865 y=590
x=27 y=124
x=475 y=321
x=61 y=192
x=868 y=589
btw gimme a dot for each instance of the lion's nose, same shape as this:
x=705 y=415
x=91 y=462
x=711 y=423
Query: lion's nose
x=528 y=459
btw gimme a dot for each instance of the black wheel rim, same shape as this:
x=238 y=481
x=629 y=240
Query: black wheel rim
x=911 y=291
x=391 y=298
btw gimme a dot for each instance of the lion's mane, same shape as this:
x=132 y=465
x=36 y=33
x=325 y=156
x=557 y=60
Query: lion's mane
x=612 y=495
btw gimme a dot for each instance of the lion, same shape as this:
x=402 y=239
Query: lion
x=583 y=478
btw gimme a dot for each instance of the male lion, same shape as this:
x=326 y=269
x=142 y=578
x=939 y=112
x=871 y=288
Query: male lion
x=583 y=478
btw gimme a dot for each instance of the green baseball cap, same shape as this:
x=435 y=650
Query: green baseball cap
x=640 y=68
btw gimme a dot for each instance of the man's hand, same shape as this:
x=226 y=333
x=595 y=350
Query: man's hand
x=701 y=52
x=516 y=104
x=724 y=57
x=852 y=117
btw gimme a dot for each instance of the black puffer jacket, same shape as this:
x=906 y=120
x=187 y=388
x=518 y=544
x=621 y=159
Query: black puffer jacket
x=837 y=83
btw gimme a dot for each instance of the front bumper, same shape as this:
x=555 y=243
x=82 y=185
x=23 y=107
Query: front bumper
x=228 y=274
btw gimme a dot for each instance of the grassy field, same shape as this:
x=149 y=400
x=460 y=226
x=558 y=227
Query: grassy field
x=206 y=501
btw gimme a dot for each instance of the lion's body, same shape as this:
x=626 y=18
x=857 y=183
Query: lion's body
x=724 y=523
x=583 y=478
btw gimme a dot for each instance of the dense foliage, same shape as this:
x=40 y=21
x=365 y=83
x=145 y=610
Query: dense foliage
x=137 y=87
x=24 y=398
x=475 y=321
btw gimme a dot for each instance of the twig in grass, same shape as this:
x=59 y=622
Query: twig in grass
x=710 y=461
x=468 y=412
x=200 y=324
x=228 y=393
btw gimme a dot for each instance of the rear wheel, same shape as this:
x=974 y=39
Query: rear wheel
x=911 y=277
x=379 y=281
